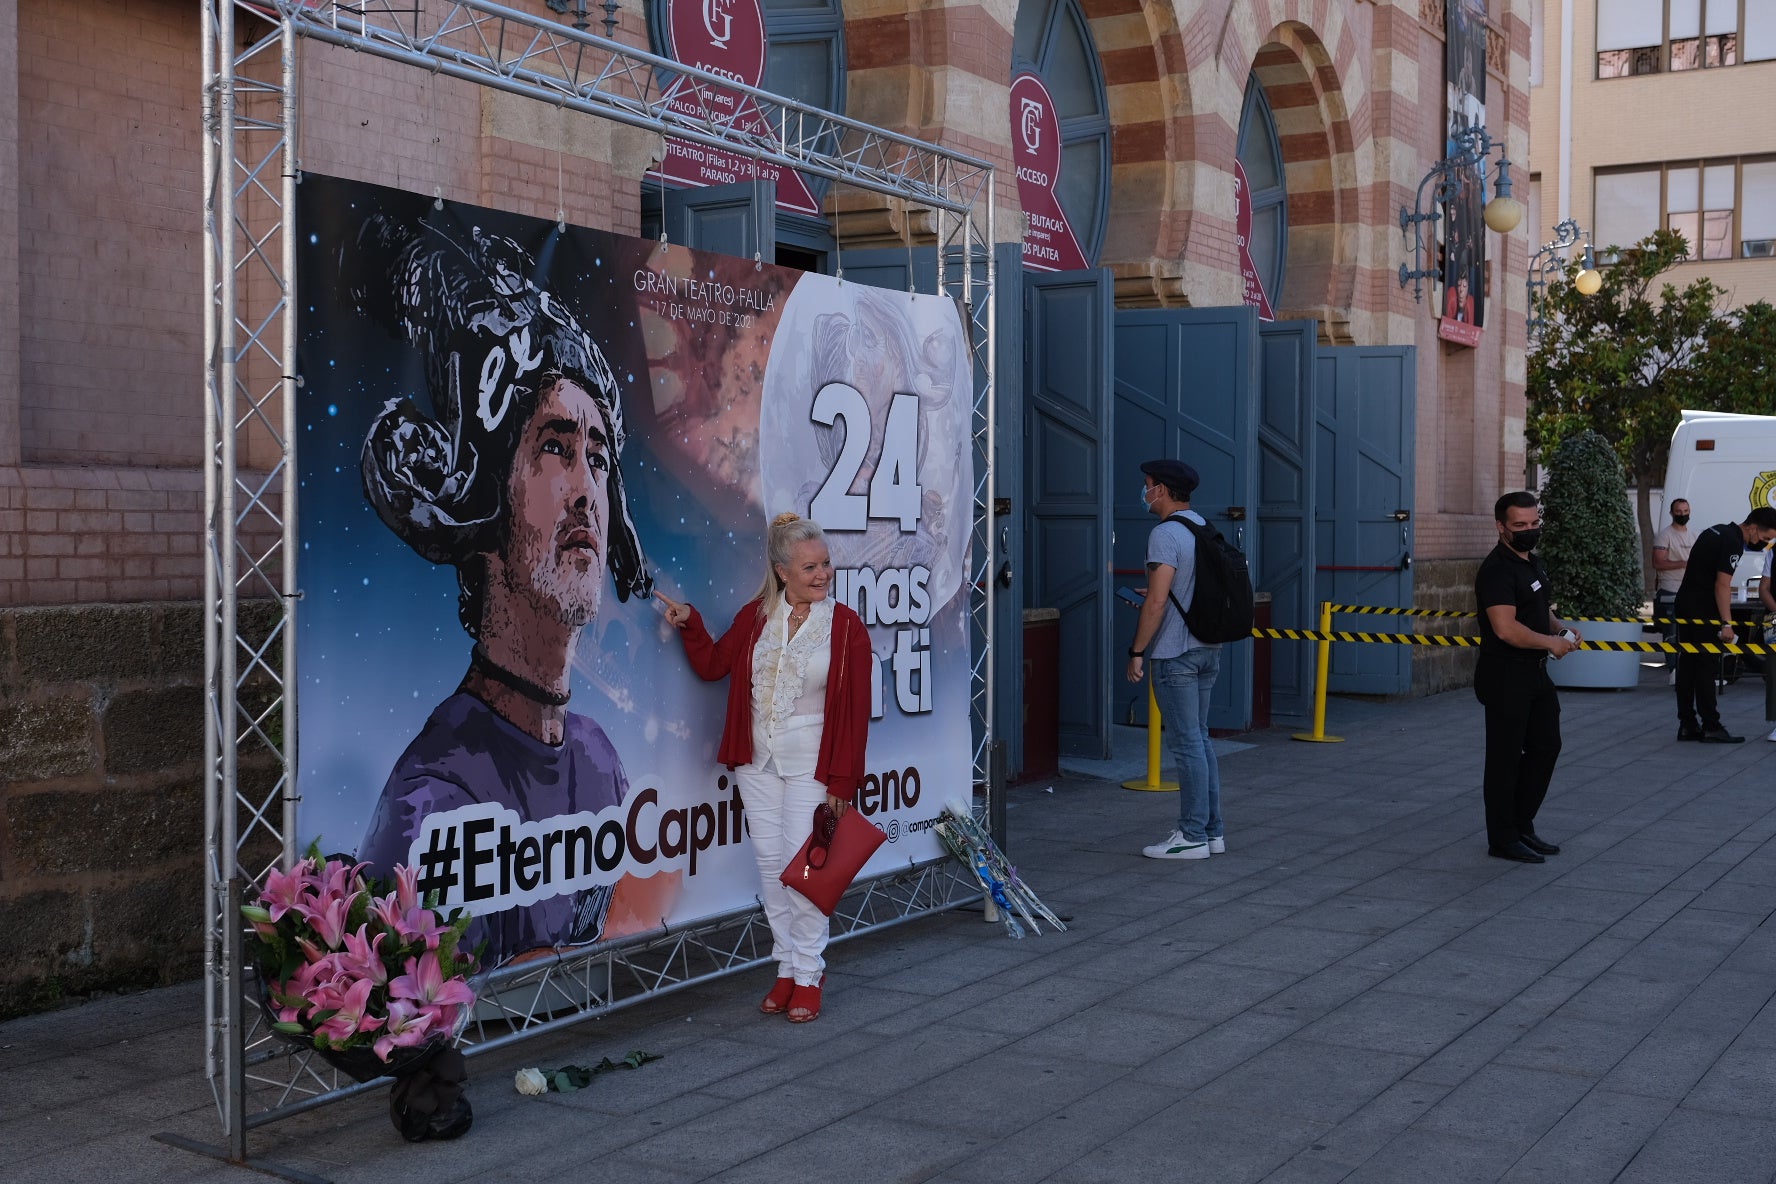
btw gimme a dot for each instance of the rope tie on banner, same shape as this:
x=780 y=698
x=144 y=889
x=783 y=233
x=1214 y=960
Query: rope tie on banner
x=838 y=237
x=912 y=283
x=560 y=179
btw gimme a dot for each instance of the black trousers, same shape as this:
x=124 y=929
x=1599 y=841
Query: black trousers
x=1522 y=741
x=1696 y=675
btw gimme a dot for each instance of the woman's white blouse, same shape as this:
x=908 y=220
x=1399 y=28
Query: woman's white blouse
x=789 y=690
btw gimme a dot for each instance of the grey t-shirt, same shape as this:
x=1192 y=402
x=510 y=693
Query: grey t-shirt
x=1172 y=544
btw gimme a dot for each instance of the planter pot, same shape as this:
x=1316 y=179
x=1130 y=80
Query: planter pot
x=1601 y=668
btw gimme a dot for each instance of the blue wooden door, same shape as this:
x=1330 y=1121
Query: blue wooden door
x=1068 y=415
x=1365 y=397
x=738 y=219
x=1187 y=387
x=1284 y=565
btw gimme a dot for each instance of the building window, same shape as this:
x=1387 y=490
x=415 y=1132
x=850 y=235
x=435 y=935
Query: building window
x=1054 y=41
x=1261 y=154
x=805 y=52
x=1647 y=36
x=1725 y=209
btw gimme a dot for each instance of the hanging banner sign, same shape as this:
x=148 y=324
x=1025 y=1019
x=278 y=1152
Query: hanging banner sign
x=725 y=37
x=1049 y=242
x=1462 y=301
x=513 y=435
x=1242 y=198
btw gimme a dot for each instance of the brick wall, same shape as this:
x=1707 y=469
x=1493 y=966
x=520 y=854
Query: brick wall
x=101 y=802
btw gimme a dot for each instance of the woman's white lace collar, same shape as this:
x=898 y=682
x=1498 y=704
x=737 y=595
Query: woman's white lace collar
x=780 y=665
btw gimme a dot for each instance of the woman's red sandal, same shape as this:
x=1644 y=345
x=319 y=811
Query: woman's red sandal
x=805 y=1000
x=777 y=1001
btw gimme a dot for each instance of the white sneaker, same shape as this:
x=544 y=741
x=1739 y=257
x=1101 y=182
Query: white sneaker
x=1177 y=847
x=1772 y=736
x=1218 y=844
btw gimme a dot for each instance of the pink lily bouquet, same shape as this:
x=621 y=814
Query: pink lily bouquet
x=345 y=967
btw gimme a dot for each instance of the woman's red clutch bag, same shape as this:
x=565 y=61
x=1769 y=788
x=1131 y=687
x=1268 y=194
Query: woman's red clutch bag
x=831 y=858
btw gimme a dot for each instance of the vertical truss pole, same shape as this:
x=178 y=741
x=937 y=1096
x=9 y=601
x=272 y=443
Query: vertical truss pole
x=212 y=815
x=990 y=452
x=222 y=228
x=291 y=591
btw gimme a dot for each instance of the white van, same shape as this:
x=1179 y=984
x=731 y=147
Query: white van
x=1723 y=465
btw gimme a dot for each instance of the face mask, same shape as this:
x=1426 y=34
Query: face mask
x=1681 y=519
x=1144 y=492
x=1526 y=540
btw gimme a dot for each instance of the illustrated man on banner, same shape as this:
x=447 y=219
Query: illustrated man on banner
x=514 y=480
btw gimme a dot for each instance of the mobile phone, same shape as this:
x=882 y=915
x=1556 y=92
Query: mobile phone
x=1131 y=596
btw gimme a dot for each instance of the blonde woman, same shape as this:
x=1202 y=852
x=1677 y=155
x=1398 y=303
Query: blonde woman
x=798 y=666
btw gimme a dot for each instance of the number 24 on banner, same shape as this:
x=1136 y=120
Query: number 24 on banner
x=894 y=491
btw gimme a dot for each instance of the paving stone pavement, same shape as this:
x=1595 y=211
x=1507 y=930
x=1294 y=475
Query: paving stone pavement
x=1353 y=992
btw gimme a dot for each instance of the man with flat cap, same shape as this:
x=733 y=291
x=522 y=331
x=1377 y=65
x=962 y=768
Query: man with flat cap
x=1183 y=668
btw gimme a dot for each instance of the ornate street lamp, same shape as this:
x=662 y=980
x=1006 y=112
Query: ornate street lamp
x=1502 y=213
x=1550 y=260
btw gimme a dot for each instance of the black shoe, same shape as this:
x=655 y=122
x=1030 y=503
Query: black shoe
x=1688 y=732
x=1534 y=842
x=1715 y=734
x=1516 y=852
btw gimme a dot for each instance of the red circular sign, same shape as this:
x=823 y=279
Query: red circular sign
x=725 y=37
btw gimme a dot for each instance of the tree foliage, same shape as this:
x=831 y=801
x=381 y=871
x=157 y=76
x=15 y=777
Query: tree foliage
x=1627 y=361
x=1588 y=533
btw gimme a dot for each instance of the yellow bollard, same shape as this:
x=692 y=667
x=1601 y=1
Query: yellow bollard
x=1152 y=782
x=1318 y=735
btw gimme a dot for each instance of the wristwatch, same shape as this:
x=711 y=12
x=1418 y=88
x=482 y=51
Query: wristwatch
x=1137 y=654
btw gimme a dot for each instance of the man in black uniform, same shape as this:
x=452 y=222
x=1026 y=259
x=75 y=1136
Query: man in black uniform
x=1707 y=594
x=1518 y=633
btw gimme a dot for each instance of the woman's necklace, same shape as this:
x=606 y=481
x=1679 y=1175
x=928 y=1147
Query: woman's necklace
x=796 y=617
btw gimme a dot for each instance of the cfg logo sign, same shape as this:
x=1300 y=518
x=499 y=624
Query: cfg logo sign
x=1049 y=242
x=718 y=22
x=1030 y=125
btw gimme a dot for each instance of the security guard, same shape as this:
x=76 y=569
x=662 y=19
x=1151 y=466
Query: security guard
x=1518 y=633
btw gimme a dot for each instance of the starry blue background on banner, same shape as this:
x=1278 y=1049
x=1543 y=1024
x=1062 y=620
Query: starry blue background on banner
x=379 y=643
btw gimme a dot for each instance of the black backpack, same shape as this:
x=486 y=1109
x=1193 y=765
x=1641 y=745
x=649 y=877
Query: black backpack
x=1221 y=607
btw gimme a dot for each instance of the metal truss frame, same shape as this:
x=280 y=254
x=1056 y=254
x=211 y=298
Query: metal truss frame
x=250 y=173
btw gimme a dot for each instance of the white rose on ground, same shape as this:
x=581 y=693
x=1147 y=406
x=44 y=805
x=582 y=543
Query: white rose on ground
x=531 y=1082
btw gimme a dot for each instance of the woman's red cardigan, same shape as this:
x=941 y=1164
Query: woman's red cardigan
x=845 y=732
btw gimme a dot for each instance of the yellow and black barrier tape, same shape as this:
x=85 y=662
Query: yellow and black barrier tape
x=1461 y=641
x=1383 y=610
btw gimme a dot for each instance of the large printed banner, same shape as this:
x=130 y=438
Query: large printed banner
x=511 y=434
x=1462 y=302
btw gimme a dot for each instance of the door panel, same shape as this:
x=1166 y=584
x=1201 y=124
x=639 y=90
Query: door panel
x=1366 y=397
x=738 y=219
x=1186 y=386
x=1286 y=437
x=1067 y=319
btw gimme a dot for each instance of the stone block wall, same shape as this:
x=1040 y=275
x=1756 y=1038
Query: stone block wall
x=1447 y=585
x=101 y=799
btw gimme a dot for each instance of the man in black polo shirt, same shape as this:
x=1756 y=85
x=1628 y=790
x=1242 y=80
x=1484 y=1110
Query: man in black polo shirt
x=1518 y=633
x=1707 y=594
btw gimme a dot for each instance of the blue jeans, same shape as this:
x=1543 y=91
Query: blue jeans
x=1182 y=685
